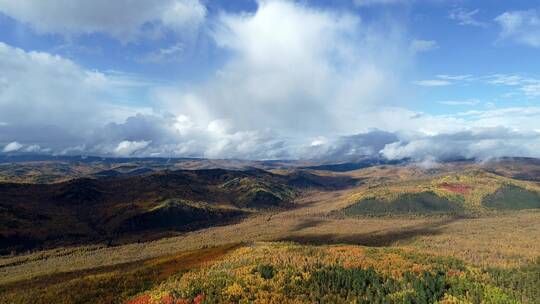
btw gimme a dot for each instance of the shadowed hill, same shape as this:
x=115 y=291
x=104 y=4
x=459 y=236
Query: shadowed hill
x=112 y=208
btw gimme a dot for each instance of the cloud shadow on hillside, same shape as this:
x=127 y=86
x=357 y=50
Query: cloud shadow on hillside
x=375 y=239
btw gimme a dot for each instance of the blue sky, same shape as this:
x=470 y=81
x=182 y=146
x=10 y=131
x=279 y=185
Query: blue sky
x=270 y=79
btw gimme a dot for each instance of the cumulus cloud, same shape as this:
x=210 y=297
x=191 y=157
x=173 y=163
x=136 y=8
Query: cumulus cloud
x=165 y=135
x=409 y=135
x=312 y=66
x=269 y=100
x=350 y=148
x=473 y=134
x=296 y=83
x=125 y=20
x=47 y=99
x=12 y=146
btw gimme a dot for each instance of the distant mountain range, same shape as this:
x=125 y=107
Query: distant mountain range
x=53 y=203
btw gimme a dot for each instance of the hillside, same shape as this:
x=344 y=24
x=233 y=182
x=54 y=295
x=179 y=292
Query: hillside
x=289 y=236
x=290 y=273
x=461 y=193
x=136 y=207
x=45 y=169
x=286 y=273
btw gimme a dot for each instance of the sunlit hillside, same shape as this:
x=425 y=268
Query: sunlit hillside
x=269 y=152
x=458 y=193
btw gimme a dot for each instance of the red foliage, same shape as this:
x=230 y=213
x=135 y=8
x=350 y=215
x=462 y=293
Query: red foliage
x=198 y=299
x=456 y=188
x=144 y=299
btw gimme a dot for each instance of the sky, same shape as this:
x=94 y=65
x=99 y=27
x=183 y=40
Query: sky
x=425 y=80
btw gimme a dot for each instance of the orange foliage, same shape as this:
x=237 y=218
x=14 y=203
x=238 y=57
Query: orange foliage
x=144 y=299
x=167 y=299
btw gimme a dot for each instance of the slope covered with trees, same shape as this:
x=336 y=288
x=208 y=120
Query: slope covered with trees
x=457 y=193
x=141 y=206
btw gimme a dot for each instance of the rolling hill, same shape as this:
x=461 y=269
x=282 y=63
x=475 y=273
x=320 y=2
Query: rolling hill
x=137 y=206
x=232 y=236
x=459 y=193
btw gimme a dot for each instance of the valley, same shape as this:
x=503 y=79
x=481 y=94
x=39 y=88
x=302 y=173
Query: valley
x=269 y=152
x=491 y=231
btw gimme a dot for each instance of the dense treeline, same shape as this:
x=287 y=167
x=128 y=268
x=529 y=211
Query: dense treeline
x=288 y=273
x=304 y=274
x=522 y=283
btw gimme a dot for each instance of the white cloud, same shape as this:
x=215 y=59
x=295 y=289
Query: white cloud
x=47 y=98
x=521 y=85
x=166 y=135
x=482 y=143
x=12 y=147
x=466 y=17
x=127 y=148
x=182 y=14
x=419 y=46
x=466 y=102
x=32 y=149
x=522 y=27
x=528 y=86
x=122 y=19
x=531 y=90
x=505 y=79
x=350 y=148
x=432 y=83
x=423 y=137
x=172 y=53
x=515 y=118
x=298 y=81
x=473 y=134
x=466 y=77
x=318 y=141
x=290 y=75
x=265 y=102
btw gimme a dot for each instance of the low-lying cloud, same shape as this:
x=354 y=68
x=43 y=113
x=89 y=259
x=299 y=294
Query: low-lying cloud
x=481 y=144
